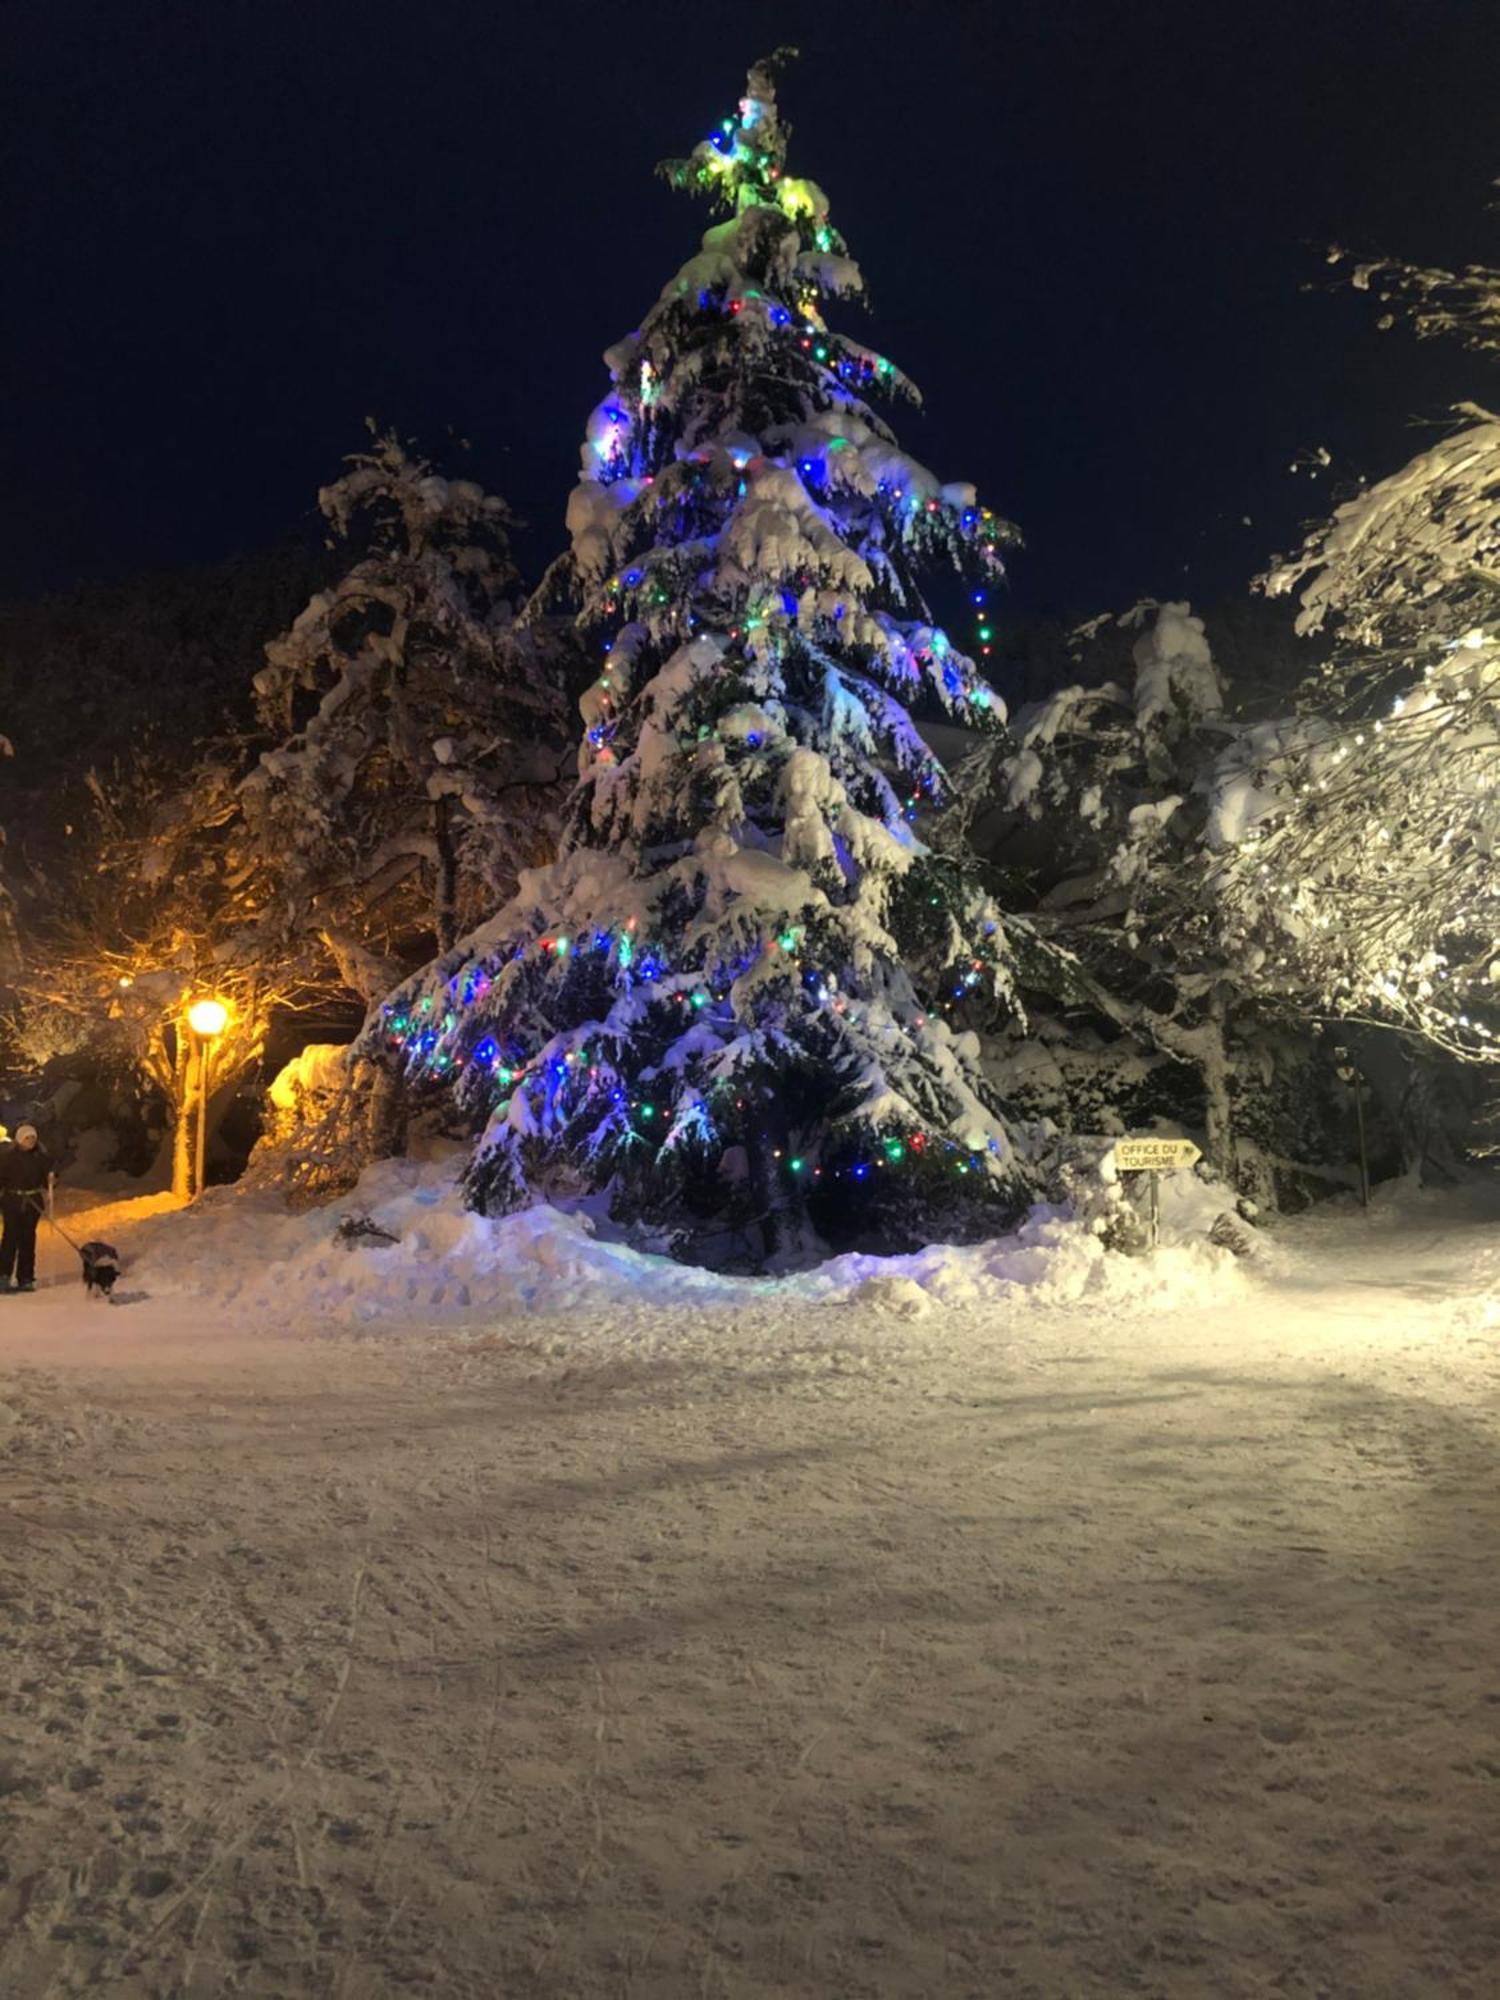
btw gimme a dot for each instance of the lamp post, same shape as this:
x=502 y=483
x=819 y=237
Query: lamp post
x=207 y=1019
x=1350 y=1075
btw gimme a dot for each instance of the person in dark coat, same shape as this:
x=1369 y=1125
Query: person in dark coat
x=25 y=1197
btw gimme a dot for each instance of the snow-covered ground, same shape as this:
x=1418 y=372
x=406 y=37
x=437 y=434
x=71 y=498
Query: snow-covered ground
x=501 y=1613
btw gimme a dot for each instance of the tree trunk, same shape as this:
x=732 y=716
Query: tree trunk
x=1205 y=1047
x=385 y=1120
x=1218 y=1108
x=779 y=1230
x=762 y=1184
x=445 y=891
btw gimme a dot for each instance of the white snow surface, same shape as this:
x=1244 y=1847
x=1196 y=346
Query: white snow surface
x=320 y=1067
x=260 y=1264
x=1104 y=1627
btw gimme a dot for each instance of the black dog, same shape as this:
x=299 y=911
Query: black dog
x=101 y=1266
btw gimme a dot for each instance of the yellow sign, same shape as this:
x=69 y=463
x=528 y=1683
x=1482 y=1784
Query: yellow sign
x=1154 y=1156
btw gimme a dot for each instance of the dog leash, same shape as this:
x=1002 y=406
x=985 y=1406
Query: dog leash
x=63 y=1233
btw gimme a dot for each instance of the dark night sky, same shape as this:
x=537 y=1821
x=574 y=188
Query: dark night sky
x=233 y=229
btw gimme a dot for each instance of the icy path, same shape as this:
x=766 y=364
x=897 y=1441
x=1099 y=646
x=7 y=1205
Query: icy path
x=1051 y=1656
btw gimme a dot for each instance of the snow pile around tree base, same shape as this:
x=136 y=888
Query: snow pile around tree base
x=247 y=1254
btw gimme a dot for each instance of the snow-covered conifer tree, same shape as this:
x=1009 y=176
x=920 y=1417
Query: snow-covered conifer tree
x=1094 y=800
x=417 y=725
x=736 y=1001
x=1111 y=807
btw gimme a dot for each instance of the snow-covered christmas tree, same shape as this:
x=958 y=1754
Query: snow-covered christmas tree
x=736 y=1003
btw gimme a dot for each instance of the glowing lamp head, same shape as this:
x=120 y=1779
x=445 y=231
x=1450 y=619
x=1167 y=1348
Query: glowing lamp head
x=208 y=1018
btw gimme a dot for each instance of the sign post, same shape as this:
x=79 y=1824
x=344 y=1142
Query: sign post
x=1154 y=1157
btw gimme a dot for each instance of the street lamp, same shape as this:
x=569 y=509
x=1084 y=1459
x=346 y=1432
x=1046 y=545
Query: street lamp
x=207 y=1019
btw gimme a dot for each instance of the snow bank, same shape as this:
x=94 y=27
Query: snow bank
x=320 y=1070
x=243 y=1253
x=1050 y=1261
